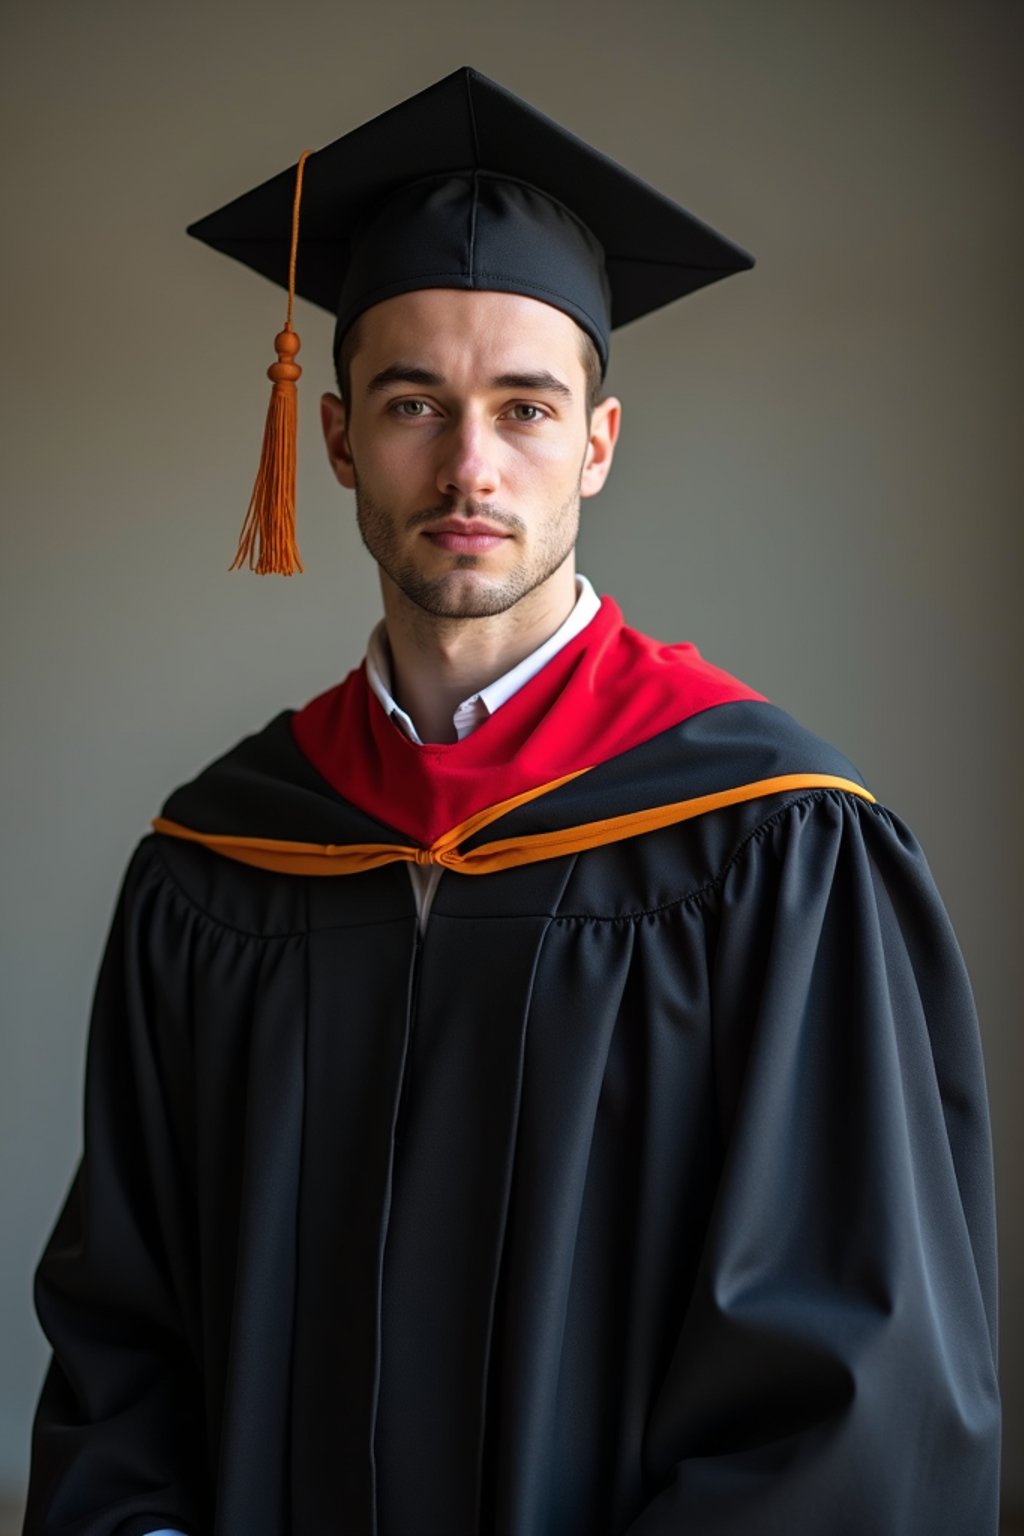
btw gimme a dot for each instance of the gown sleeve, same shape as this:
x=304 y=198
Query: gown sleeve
x=834 y=1372
x=117 y=1437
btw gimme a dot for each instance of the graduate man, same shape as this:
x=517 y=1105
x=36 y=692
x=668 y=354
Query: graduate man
x=533 y=1089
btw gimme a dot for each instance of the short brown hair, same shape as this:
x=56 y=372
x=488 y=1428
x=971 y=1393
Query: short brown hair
x=589 y=357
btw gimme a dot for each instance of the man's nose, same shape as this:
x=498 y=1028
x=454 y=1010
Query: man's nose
x=469 y=460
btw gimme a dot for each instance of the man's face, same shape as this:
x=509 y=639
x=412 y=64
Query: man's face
x=468 y=447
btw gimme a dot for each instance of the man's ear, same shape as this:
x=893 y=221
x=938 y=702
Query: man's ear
x=604 y=430
x=335 y=428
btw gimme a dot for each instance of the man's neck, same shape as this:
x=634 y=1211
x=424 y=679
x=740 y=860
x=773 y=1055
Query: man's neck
x=437 y=663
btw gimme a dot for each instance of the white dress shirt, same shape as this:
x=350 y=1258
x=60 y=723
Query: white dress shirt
x=474 y=710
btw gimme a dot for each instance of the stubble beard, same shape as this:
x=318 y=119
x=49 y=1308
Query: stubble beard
x=445 y=596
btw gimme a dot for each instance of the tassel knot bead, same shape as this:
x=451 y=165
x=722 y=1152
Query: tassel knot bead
x=286 y=345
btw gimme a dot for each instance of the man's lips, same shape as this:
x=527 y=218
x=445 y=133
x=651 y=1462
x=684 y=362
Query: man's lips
x=466 y=536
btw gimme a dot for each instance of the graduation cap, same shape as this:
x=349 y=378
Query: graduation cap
x=464 y=185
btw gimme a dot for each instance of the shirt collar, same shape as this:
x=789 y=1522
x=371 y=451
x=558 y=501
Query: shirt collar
x=474 y=710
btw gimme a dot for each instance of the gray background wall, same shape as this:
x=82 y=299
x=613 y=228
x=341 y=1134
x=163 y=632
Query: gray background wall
x=817 y=480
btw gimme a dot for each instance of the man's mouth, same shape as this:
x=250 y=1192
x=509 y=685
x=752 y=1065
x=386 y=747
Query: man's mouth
x=466 y=536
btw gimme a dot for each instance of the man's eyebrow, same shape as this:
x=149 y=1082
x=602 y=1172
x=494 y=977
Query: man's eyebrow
x=402 y=373
x=540 y=380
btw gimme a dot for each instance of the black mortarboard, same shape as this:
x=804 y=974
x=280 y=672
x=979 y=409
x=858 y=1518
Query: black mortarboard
x=465 y=185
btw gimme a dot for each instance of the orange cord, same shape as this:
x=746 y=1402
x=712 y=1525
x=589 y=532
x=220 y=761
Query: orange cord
x=292 y=858
x=296 y=200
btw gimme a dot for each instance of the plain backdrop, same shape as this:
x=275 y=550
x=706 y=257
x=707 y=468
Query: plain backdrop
x=818 y=479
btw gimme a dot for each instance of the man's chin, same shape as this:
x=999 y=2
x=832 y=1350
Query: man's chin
x=478 y=605
x=463 y=594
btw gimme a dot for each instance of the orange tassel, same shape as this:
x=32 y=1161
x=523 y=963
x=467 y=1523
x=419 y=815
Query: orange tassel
x=270 y=520
x=268 y=544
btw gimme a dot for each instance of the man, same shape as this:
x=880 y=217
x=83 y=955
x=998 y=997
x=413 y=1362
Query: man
x=534 y=1088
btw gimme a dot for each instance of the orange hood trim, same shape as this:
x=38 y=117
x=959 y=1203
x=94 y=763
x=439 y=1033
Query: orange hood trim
x=294 y=858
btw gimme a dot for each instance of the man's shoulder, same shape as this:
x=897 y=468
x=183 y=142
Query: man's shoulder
x=262 y=793
x=263 y=758
x=727 y=746
x=245 y=789
x=700 y=721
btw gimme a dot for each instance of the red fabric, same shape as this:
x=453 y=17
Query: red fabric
x=609 y=689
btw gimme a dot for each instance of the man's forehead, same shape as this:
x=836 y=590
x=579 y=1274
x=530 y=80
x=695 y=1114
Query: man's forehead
x=464 y=312
x=452 y=331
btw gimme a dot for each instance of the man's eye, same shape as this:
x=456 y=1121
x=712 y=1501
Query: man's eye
x=419 y=407
x=539 y=416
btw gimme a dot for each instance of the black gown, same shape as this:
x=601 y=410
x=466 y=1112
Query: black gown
x=647 y=1192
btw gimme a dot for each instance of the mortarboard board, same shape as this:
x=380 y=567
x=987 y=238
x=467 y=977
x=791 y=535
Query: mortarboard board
x=463 y=185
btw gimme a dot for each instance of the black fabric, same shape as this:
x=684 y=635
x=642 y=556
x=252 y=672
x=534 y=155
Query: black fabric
x=491 y=193
x=648 y=1192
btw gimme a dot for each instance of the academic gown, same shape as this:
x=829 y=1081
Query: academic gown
x=648 y=1191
